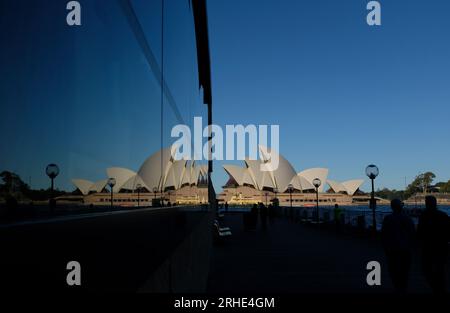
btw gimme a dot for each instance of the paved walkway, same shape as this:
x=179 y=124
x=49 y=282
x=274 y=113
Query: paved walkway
x=293 y=257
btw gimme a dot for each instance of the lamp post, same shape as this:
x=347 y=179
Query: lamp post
x=138 y=187
x=111 y=184
x=266 y=194
x=317 y=182
x=372 y=172
x=275 y=191
x=290 y=188
x=52 y=170
x=155 y=190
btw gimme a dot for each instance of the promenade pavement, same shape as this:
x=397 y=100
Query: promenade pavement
x=292 y=257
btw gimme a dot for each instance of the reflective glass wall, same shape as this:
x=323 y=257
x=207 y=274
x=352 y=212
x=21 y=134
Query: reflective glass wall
x=103 y=94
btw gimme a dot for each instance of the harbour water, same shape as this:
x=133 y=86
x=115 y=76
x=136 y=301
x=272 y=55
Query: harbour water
x=352 y=213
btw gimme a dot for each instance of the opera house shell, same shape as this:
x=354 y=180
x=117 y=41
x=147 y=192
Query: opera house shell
x=160 y=173
x=185 y=181
x=282 y=183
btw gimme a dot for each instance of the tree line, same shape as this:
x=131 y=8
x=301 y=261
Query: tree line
x=422 y=183
x=13 y=186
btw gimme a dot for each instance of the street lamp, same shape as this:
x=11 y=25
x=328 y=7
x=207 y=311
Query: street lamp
x=275 y=191
x=138 y=187
x=155 y=190
x=111 y=184
x=266 y=194
x=372 y=172
x=317 y=182
x=169 y=194
x=290 y=189
x=52 y=170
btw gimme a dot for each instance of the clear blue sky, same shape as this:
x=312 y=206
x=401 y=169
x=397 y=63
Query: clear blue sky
x=344 y=94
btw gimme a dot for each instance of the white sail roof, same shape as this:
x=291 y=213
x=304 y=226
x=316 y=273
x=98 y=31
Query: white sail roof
x=195 y=173
x=121 y=175
x=132 y=183
x=83 y=185
x=312 y=173
x=236 y=172
x=248 y=179
x=281 y=175
x=98 y=186
x=300 y=183
x=155 y=169
x=352 y=185
x=336 y=186
x=254 y=170
x=267 y=181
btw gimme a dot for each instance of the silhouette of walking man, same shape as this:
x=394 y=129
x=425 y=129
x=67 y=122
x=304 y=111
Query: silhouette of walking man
x=398 y=235
x=337 y=217
x=433 y=231
x=263 y=214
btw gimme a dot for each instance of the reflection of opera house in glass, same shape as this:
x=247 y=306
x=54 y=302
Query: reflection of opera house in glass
x=185 y=182
x=181 y=182
x=249 y=184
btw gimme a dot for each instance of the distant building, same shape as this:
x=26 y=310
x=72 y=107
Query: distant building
x=249 y=184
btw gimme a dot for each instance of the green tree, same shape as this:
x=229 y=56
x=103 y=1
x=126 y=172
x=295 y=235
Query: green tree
x=12 y=183
x=427 y=180
x=388 y=194
x=13 y=186
x=444 y=187
x=420 y=184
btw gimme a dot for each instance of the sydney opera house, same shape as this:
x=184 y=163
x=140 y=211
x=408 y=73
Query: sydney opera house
x=248 y=184
x=185 y=182
x=160 y=177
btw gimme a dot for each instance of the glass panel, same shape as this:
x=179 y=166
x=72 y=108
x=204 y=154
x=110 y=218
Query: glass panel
x=88 y=97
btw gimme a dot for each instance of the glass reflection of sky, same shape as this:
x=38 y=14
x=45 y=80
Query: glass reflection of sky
x=85 y=97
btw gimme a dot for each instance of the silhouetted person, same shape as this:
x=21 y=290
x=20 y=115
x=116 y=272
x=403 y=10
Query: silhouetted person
x=271 y=213
x=254 y=208
x=226 y=206
x=434 y=233
x=254 y=217
x=398 y=235
x=263 y=214
x=337 y=217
